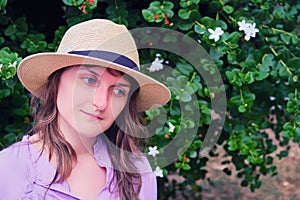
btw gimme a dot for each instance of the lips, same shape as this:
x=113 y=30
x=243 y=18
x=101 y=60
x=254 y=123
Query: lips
x=92 y=116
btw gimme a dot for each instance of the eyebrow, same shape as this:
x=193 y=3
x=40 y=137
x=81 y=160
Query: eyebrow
x=91 y=71
x=123 y=85
x=97 y=74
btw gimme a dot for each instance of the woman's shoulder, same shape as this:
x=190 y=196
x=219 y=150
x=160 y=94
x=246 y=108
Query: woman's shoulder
x=149 y=181
x=15 y=151
x=15 y=170
x=15 y=159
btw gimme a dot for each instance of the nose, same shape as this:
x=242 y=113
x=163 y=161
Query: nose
x=101 y=98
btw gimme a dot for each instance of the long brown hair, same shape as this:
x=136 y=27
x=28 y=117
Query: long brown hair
x=46 y=125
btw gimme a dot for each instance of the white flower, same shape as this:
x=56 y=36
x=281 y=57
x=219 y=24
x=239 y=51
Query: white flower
x=248 y=28
x=1 y=65
x=247 y=37
x=156 y=65
x=272 y=98
x=158 y=172
x=277 y=82
x=272 y=108
x=250 y=31
x=215 y=34
x=153 y=151
x=171 y=127
x=242 y=25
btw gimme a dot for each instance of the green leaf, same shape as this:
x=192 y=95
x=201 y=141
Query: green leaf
x=169 y=13
x=3 y=4
x=22 y=27
x=175 y=110
x=282 y=154
x=195 y=15
x=285 y=38
x=207 y=21
x=185 y=96
x=199 y=29
x=205 y=109
x=279 y=12
x=215 y=6
x=184 y=13
x=264 y=68
x=10 y=83
x=73 y=3
x=188 y=3
x=231 y=56
x=186 y=166
x=249 y=97
x=195 y=1
x=185 y=4
x=184 y=68
x=232 y=145
x=196 y=83
x=168 y=5
x=4 y=93
x=261 y=75
x=11 y=29
x=193 y=154
x=235 y=100
x=182 y=80
x=248 y=78
x=185 y=25
x=295 y=39
x=293 y=63
x=148 y=15
x=265 y=6
x=155 y=4
x=234 y=77
x=178 y=165
x=242 y=108
x=268 y=59
x=228 y=9
x=244 y=183
x=233 y=38
x=283 y=71
x=68 y=2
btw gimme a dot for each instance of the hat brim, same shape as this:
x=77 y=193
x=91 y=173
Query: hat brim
x=34 y=70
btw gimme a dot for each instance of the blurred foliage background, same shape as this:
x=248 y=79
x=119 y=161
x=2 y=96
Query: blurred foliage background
x=253 y=43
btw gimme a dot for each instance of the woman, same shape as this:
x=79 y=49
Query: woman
x=86 y=102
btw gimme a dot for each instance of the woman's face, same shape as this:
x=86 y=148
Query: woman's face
x=89 y=99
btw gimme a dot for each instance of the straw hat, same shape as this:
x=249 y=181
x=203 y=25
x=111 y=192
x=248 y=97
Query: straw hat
x=95 y=42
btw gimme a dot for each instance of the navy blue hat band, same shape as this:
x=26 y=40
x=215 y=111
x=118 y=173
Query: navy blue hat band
x=108 y=56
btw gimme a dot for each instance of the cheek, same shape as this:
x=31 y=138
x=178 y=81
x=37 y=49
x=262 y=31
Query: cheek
x=65 y=94
x=64 y=101
x=118 y=106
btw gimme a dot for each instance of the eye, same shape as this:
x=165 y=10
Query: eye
x=89 y=80
x=119 y=92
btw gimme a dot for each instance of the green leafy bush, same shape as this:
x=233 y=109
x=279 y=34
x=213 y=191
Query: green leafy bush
x=254 y=45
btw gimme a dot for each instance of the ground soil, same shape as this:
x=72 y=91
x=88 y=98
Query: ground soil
x=284 y=186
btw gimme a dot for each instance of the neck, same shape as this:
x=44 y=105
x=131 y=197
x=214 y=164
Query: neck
x=79 y=142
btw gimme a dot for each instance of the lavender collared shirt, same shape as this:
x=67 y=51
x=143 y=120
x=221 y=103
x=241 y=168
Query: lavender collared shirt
x=26 y=175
